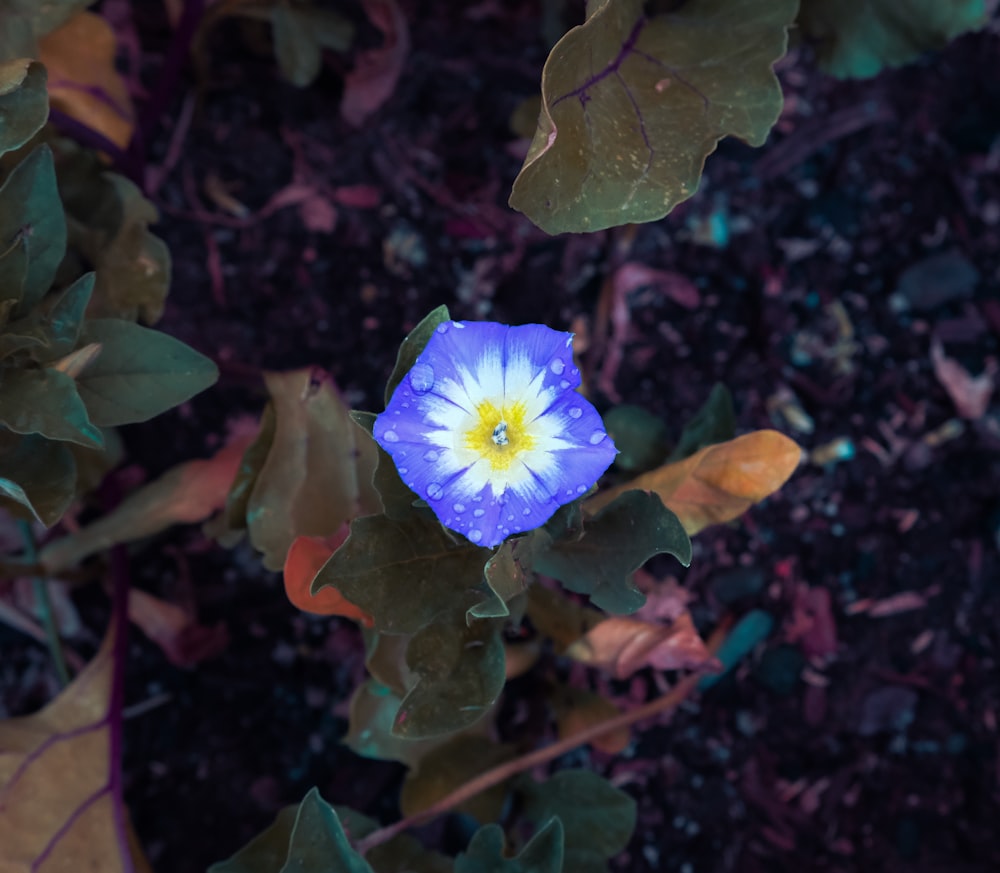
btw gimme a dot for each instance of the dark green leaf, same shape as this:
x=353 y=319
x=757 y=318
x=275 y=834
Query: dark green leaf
x=24 y=102
x=714 y=423
x=37 y=474
x=17 y=39
x=405 y=572
x=858 y=38
x=397 y=499
x=485 y=854
x=372 y=714
x=632 y=106
x=139 y=373
x=63 y=319
x=46 y=402
x=314 y=842
x=412 y=346
x=295 y=46
x=13 y=268
x=449 y=766
x=30 y=208
x=616 y=542
x=508 y=574
x=401 y=854
x=751 y=629
x=640 y=437
x=597 y=817
x=461 y=672
x=555 y=615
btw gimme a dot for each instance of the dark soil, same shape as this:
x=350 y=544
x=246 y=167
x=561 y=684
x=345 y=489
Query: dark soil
x=863 y=734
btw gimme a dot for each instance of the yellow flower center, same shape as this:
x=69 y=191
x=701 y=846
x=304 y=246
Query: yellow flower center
x=498 y=434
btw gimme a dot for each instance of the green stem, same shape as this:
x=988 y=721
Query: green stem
x=41 y=590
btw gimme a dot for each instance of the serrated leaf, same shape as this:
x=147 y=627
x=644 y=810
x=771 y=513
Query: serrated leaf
x=714 y=423
x=633 y=105
x=59 y=781
x=46 y=402
x=314 y=842
x=543 y=853
x=187 y=493
x=858 y=38
x=318 y=470
x=718 y=483
x=405 y=572
x=139 y=373
x=450 y=765
x=412 y=346
x=597 y=817
x=460 y=672
x=30 y=209
x=616 y=542
x=24 y=104
x=37 y=474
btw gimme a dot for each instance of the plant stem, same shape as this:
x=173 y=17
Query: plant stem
x=677 y=695
x=41 y=589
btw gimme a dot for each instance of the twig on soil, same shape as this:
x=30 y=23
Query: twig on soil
x=677 y=695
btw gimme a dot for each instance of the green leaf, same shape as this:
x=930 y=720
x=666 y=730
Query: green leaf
x=615 y=543
x=318 y=471
x=597 y=817
x=30 y=208
x=24 y=102
x=17 y=39
x=640 y=437
x=314 y=843
x=460 y=672
x=46 y=402
x=299 y=36
x=449 y=766
x=371 y=717
x=858 y=38
x=396 y=498
x=412 y=346
x=404 y=572
x=63 y=318
x=751 y=629
x=13 y=268
x=508 y=574
x=139 y=373
x=401 y=854
x=44 y=15
x=714 y=423
x=37 y=474
x=632 y=106
x=485 y=854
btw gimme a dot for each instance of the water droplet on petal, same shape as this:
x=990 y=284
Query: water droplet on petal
x=459 y=507
x=459 y=325
x=475 y=536
x=479 y=513
x=526 y=510
x=574 y=412
x=597 y=436
x=431 y=455
x=564 y=384
x=390 y=436
x=403 y=471
x=421 y=378
x=581 y=489
x=434 y=491
x=557 y=366
x=510 y=517
x=443 y=328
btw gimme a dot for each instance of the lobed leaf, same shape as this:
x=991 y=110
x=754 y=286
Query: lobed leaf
x=59 y=787
x=717 y=483
x=597 y=817
x=633 y=105
x=858 y=38
x=24 y=103
x=83 y=81
x=139 y=373
x=36 y=474
x=318 y=469
x=542 y=854
x=404 y=572
x=619 y=539
x=30 y=209
x=460 y=670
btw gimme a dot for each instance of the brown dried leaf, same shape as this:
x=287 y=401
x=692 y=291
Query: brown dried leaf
x=718 y=483
x=183 y=640
x=577 y=709
x=622 y=645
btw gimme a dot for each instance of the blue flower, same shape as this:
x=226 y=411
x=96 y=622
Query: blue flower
x=488 y=429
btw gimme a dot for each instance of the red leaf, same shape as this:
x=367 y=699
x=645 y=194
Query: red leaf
x=305 y=558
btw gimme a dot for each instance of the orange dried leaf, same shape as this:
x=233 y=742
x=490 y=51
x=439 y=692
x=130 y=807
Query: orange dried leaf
x=60 y=795
x=305 y=558
x=718 y=483
x=83 y=81
x=622 y=645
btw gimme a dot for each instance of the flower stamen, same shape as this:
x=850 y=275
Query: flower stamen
x=500 y=434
